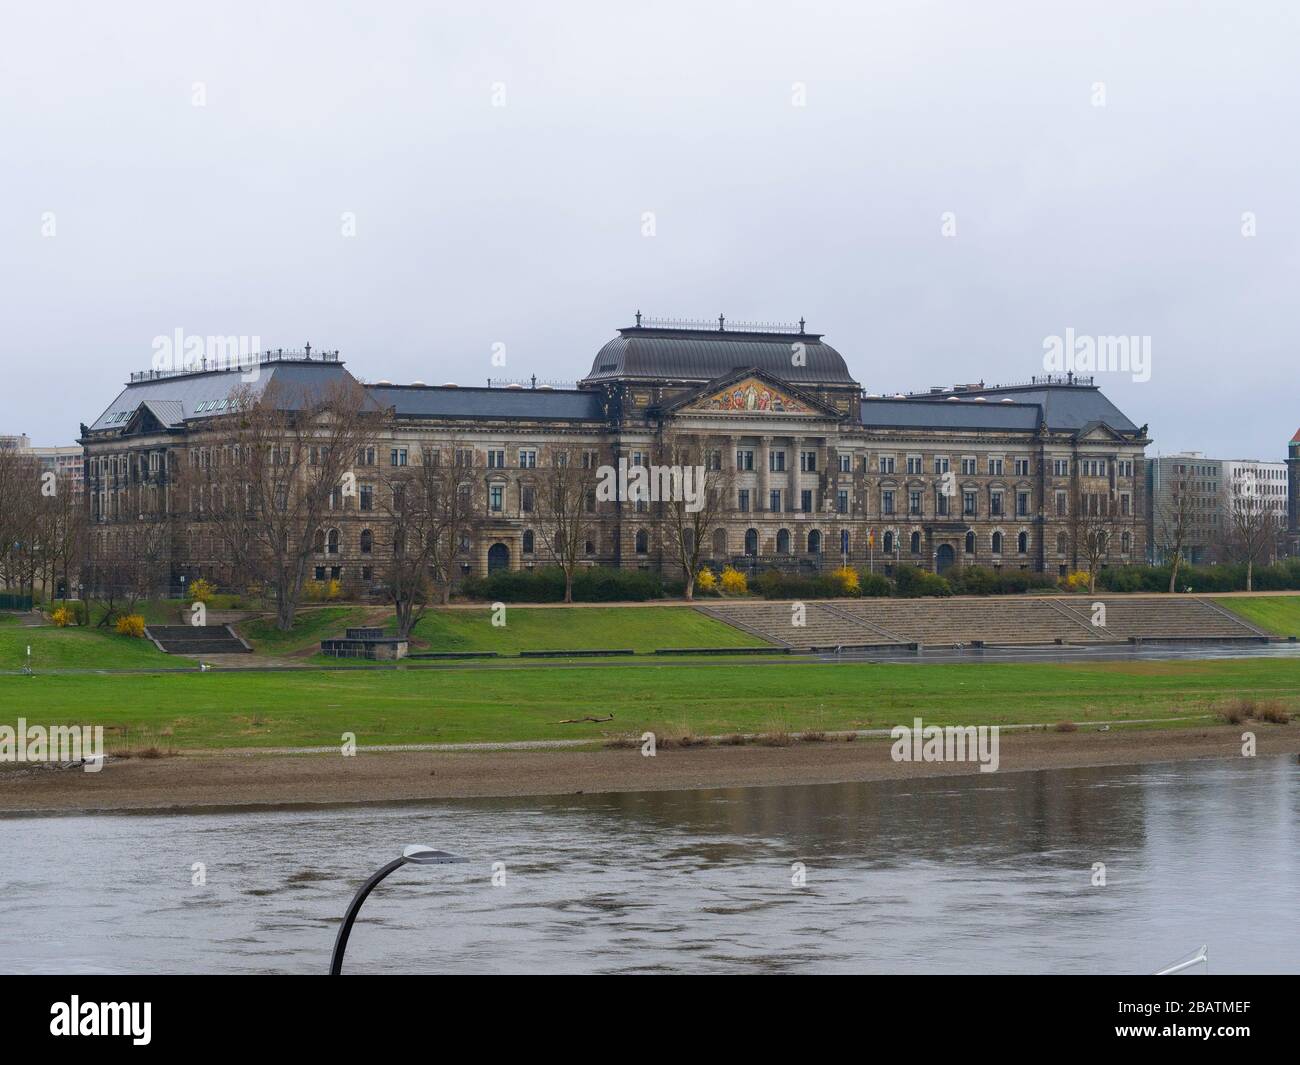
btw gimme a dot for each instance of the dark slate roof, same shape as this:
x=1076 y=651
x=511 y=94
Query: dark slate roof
x=543 y=404
x=706 y=354
x=1065 y=407
x=176 y=399
x=964 y=414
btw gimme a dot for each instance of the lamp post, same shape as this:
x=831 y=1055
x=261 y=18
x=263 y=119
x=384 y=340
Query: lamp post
x=415 y=854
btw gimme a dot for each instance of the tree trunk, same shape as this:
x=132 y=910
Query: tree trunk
x=690 y=589
x=1250 y=573
x=568 y=585
x=444 y=595
x=1173 y=575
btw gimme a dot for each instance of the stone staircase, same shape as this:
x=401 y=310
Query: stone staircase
x=1025 y=621
x=194 y=640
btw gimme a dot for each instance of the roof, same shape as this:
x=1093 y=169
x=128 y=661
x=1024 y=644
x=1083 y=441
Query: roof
x=644 y=352
x=1064 y=406
x=429 y=401
x=965 y=414
x=181 y=397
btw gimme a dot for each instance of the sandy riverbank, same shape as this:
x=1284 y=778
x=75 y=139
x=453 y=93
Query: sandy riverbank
x=194 y=781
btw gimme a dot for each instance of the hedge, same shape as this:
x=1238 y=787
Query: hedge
x=591 y=584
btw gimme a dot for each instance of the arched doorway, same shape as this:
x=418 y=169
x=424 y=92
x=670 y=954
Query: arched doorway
x=944 y=558
x=498 y=558
x=751 y=541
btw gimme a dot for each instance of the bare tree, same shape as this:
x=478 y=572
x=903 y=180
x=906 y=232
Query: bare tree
x=264 y=478
x=699 y=489
x=566 y=503
x=1253 y=526
x=20 y=509
x=1093 y=523
x=1174 y=527
x=125 y=564
x=432 y=510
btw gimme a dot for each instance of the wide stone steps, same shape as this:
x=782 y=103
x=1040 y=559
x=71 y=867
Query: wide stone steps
x=952 y=622
x=197 y=639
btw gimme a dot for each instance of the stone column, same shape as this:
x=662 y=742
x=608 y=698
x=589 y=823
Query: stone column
x=796 y=448
x=764 y=473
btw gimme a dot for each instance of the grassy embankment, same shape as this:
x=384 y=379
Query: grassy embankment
x=1278 y=614
x=312 y=707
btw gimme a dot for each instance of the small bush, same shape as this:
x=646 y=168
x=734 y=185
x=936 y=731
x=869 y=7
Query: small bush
x=1273 y=713
x=62 y=617
x=1076 y=582
x=706 y=581
x=734 y=582
x=1237 y=712
x=913 y=582
x=874 y=585
x=845 y=580
x=201 y=590
x=131 y=625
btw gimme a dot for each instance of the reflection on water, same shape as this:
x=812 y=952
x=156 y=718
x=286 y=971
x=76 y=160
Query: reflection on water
x=974 y=874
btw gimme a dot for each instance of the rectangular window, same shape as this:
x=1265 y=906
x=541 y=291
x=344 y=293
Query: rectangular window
x=968 y=504
x=941 y=465
x=776 y=461
x=496 y=497
x=886 y=502
x=968 y=466
x=526 y=499
x=1061 y=506
x=397 y=456
x=744 y=459
x=941 y=504
x=914 y=502
x=995 y=504
x=806 y=501
x=496 y=458
x=1060 y=467
x=1124 y=503
x=465 y=456
x=774 y=501
x=366 y=496
x=528 y=459
x=1022 y=467
x=1022 y=504
x=842 y=501
x=742 y=500
x=995 y=467
x=913 y=463
x=846 y=463
x=807 y=462
x=886 y=463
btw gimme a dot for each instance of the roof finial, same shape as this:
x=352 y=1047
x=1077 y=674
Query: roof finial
x=307 y=349
x=638 y=319
x=722 y=323
x=801 y=325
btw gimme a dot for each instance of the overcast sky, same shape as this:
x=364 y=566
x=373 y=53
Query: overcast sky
x=194 y=167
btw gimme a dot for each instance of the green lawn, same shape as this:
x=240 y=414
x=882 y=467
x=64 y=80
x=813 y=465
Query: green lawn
x=79 y=648
x=311 y=707
x=1278 y=614
x=310 y=626
x=576 y=629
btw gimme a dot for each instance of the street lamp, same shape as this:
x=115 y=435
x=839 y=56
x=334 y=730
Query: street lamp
x=415 y=854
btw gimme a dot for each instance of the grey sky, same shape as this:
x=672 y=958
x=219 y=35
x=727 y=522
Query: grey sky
x=478 y=224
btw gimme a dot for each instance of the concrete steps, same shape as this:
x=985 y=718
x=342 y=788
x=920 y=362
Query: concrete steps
x=197 y=640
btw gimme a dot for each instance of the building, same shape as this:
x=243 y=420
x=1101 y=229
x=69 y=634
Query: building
x=1293 y=495
x=820 y=472
x=67 y=462
x=1213 y=489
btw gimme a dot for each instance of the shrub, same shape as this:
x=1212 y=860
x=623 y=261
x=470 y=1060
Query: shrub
x=734 y=582
x=130 y=625
x=62 y=617
x=982 y=580
x=201 y=590
x=913 y=582
x=1273 y=713
x=845 y=581
x=706 y=580
x=593 y=584
x=1076 y=581
x=873 y=584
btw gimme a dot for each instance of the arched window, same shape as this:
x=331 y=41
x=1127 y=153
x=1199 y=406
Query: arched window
x=844 y=541
x=997 y=543
x=916 y=543
x=367 y=541
x=318 y=542
x=889 y=543
x=970 y=542
x=1062 y=544
x=814 y=542
x=783 y=542
x=751 y=541
x=1022 y=543
x=642 y=541
x=332 y=542
x=719 y=543
x=528 y=541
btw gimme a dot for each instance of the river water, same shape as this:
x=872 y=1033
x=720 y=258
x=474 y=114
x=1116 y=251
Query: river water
x=986 y=874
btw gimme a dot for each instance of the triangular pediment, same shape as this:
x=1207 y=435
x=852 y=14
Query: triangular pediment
x=753 y=394
x=1098 y=432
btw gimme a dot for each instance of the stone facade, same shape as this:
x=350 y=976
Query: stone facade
x=820 y=473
